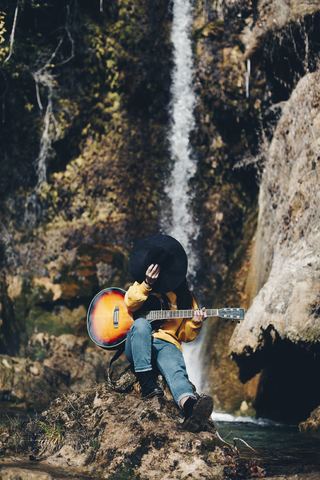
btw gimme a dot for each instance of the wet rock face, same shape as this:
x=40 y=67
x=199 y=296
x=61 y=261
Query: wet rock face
x=274 y=16
x=281 y=330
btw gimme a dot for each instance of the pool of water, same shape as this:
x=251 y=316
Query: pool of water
x=281 y=449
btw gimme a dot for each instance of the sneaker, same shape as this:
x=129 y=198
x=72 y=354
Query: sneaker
x=149 y=387
x=197 y=412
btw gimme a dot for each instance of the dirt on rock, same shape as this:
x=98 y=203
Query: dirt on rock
x=122 y=435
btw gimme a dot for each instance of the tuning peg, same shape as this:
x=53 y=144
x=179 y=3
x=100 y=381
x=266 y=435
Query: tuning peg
x=232 y=320
x=232 y=306
x=238 y=321
x=226 y=306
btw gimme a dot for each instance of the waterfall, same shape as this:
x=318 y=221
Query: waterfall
x=182 y=122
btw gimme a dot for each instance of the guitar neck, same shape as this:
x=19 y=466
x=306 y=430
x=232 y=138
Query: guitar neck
x=168 y=314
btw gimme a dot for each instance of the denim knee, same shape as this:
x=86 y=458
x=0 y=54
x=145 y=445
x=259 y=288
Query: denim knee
x=141 y=325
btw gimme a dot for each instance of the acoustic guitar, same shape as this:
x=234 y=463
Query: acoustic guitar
x=109 y=321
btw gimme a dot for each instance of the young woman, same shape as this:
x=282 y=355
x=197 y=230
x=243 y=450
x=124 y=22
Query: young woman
x=159 y=265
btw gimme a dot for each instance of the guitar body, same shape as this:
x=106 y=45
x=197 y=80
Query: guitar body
x=102 y=328
x=109 y=321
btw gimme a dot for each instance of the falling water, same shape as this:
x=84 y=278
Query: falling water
x=182 y=122
x=183 y=102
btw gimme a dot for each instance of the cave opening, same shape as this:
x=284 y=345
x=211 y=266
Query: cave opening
x=289 y=387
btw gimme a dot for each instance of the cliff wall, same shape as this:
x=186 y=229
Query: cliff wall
x=268 y=52
x=281 y=331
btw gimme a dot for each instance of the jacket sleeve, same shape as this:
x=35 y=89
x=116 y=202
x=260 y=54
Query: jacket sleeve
x=189 y=329
x=136 y=295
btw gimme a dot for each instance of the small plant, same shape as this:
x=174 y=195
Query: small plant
x=94 y=444
x=13 y=422
x=53 y=435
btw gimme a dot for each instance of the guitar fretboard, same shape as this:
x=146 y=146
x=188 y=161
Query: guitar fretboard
x=168 y=314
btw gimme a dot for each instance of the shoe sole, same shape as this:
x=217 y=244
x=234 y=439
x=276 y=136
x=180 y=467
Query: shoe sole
x=200 y=414
x=154 y=394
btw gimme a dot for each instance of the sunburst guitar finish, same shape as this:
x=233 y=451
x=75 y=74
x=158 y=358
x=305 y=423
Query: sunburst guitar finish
x=103 y=320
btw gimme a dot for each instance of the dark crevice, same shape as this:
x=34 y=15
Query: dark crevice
x=288 y=388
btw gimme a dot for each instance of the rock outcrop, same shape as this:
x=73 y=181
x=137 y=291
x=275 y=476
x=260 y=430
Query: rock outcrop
x=81 y=170
x=281 y=331
x=124 y=436
x=53 y=366
x=312 y=424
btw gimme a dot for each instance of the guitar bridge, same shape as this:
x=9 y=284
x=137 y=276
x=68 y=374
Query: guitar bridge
x=116 y=317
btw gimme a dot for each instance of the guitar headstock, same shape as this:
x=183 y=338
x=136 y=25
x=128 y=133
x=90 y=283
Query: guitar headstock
x=232 y=313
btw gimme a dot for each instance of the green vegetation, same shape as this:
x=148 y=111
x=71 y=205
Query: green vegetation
x=103 y=95
x=84 y=152
x=53 y=435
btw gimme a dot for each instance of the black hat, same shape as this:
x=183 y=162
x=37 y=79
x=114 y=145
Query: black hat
x=165 y=251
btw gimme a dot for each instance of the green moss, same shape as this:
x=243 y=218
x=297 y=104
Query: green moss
x=213 y=29
x=56 y=322
x=111 y=128
x=123 y=472
x=34 y=313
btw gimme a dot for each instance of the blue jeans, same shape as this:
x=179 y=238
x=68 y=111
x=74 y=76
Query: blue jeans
x=142 y=350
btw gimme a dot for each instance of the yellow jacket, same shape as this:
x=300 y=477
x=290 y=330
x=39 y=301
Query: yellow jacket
x=175 y=330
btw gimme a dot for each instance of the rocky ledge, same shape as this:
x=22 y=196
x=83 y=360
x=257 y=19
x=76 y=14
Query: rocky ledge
x=121 y=435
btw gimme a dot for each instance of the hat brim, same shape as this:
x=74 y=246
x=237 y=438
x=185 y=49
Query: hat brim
x=168 y=279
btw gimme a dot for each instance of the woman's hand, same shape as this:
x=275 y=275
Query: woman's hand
x=152 y=274
x=200 y=315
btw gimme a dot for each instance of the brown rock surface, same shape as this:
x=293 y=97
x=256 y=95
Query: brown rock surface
x=312 y=424
x=120 y=435
x=54 y=366
x=285 y=254
x=274 y=16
